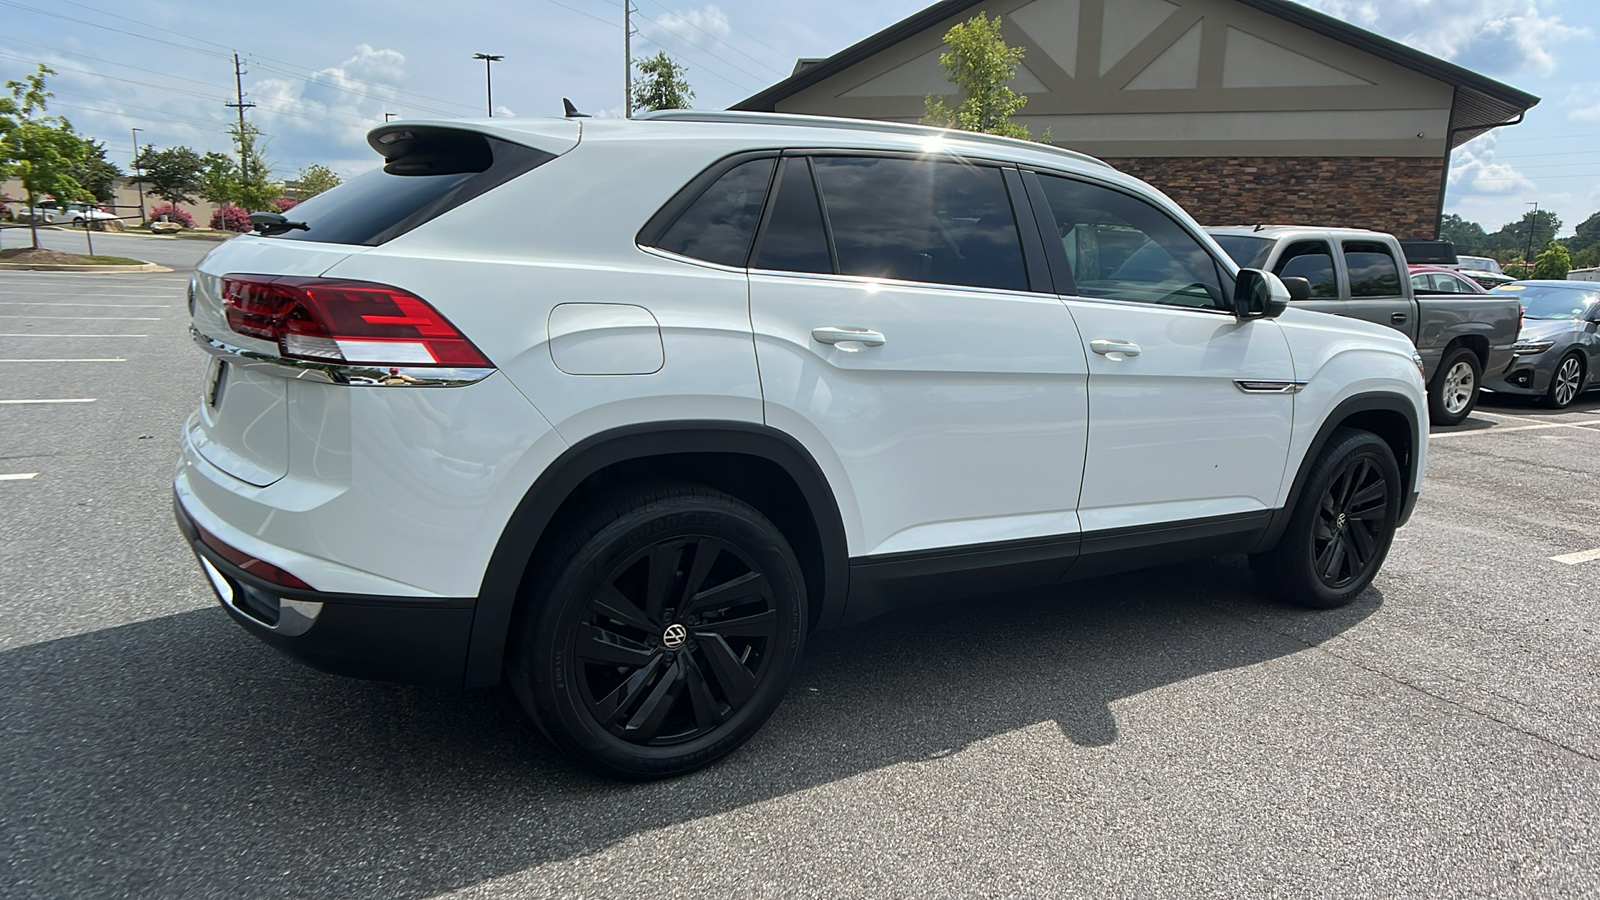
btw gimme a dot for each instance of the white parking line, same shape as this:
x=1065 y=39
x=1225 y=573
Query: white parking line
x=97 y=305
x=106 y=359
x=1581 y=556
x=1503 y=429
x=89 y=318
x=23 y=476
x=63 y=400
x=36 y=334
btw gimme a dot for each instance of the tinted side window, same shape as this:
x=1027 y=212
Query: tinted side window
x=1122 y=248
x=922 y=220
x=794 y=240
x=1313 y=261
x=719 y=225
x=1373 y=272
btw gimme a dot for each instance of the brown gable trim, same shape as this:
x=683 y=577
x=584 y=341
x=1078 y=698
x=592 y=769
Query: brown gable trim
x=1500 y=95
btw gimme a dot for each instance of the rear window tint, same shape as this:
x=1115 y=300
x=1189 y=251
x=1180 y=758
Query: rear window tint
x=719 y=225
x=1373 y=272
x=795 y=240
x=435 y=173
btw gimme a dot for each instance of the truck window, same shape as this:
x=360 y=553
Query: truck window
x=1373 y=272
x=1313 y=261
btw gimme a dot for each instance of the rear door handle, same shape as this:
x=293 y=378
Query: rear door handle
x=830 y=334
x=1398 y=318
x=1103 y=346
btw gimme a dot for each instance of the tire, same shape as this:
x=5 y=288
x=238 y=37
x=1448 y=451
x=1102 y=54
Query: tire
x=1566 y=383
x=1454 y=392
x=77 y=222
x=1342 y=526
x=626 y=659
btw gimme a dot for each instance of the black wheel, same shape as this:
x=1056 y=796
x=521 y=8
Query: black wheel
x=1341 y=528
x=662 y=633
x=1565 y=383
x=1454 y=391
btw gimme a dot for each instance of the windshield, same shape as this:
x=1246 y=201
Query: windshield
x=1551 y=302
x=1479 y=263
x=1248 y=251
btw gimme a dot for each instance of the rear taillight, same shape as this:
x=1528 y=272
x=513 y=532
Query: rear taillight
x=355 y=322
x=260 y=568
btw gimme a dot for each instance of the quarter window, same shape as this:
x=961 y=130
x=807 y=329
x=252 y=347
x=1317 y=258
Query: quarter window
x=1373 y=272
x=921 y=220
x=1122 y=248
x=719 y=225
x=1313 y=261
x=794 y=239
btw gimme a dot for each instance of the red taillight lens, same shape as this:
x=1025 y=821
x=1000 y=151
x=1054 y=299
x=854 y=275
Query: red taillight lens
x=264 y=570
x=345 y=321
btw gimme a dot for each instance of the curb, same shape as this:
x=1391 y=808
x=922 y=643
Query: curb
x=44 y=267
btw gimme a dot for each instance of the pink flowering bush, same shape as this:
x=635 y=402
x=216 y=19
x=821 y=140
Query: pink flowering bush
x=284 y=204
x=173 y=214
x=230 y=218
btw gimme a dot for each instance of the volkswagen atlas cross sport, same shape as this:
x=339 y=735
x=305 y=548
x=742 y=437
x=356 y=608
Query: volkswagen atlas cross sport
x=620 y=412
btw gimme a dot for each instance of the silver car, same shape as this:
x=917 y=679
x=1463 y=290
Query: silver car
x=1559 y=347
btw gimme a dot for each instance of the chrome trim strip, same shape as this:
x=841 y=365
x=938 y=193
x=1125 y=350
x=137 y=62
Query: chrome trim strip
x=339 y=373
x=1263 y=386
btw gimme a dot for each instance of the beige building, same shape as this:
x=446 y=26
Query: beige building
x=1244 y=111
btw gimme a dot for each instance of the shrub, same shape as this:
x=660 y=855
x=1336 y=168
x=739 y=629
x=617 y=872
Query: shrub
x=284 y=204
x=6 y=214
x=173 y=214
x=230 y=218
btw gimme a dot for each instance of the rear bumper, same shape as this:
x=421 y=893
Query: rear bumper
x=403 y=639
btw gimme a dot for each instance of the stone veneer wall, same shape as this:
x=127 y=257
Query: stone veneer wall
x=1399 y=195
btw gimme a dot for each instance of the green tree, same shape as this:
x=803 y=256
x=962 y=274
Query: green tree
x=1466 y=236
x=218 y=179
x=173 y=174
x=96 y=172
x=1554 y=262
x=664 y=83
x=1586 y=235
x=979 y=64
x=41 y=150
x=314 y=179
x=254 y=188
x=1587 y=258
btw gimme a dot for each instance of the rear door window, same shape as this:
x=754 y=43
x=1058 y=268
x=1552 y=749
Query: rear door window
x=1313 y=261
x=1373 y=271
x=922 y=220
x=795 y=239
x=426 y=175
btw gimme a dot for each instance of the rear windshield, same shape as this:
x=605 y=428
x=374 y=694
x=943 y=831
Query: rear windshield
x=434 y=173
x=1249 y=252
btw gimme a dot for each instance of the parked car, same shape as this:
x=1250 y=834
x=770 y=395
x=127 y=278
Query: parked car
x=629 y=454
x=1441 y=280
x=1559 y=349
x=1484 y=270
x=1460 y=337
x=50 y=212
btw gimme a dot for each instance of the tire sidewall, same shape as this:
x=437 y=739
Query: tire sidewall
x=550 y=672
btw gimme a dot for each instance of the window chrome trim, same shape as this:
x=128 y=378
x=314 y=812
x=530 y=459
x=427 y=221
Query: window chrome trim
x=869 y=281
x=339 y=373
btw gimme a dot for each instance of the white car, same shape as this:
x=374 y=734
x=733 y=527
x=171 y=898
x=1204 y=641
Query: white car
x=50 y=212
x=621 y=411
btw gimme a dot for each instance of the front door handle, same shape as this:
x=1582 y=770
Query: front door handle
x=1398 y=318
x=1103 y=346
x=829 y=334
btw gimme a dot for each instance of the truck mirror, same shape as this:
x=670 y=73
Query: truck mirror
x=1299 y=288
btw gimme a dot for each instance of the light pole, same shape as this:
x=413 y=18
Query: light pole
x=388 y=116
x=488 y=80
x=1527 y=258
x=138 y=176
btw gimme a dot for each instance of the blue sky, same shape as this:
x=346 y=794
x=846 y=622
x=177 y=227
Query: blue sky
x=322 y=74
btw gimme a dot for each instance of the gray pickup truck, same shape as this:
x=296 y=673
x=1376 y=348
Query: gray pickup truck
x=1362 y=274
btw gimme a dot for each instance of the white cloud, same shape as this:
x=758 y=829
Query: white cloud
x=704 y=27
x=1473 y=167
x=1584 y=103
x=1497 y=37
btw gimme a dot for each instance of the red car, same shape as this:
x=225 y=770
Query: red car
x=1439 y=280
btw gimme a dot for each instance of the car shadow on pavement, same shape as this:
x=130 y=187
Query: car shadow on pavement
x=1517 y=405
x=180 y=757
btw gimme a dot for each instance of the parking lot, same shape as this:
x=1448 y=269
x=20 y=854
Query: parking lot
x=1166 y=733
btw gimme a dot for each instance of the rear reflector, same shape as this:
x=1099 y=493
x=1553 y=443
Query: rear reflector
x=261 y=569
x=357 y=322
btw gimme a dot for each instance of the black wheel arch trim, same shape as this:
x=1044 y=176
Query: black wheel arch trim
x=502 y=580
x=1382 y=401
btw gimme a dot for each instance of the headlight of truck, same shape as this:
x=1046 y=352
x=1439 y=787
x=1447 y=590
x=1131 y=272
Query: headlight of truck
x=1529 y=348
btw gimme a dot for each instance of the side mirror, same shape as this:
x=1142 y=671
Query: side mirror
x=1261 y=295
x=1299 y=288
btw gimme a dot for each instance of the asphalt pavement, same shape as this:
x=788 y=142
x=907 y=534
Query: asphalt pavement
x=1170 y=733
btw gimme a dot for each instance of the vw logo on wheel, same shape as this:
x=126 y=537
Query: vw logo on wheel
x=674 y=636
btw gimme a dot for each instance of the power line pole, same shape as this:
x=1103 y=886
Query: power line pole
x=1533 y=222
x=488 y=80
x=627 y=58
x=137 y=174
x=241 y=106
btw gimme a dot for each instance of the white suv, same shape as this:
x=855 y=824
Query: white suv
x=621 y=411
